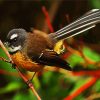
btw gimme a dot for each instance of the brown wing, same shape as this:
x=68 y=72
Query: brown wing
x=51 y=58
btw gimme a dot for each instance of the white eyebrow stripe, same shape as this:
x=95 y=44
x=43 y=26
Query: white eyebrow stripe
x=14 y=36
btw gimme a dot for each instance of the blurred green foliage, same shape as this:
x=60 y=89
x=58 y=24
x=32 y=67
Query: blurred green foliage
x=95 y=3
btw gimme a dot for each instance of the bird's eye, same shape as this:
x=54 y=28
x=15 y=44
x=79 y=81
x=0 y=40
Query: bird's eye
x=15 y=39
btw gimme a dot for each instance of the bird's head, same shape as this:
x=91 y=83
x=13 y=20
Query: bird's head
x=16 y=39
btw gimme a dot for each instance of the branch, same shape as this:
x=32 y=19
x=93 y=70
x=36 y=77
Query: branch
x=29 y=83
x=21 y=75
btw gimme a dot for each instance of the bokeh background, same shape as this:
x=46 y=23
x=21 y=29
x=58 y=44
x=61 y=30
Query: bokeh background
x=82 y=51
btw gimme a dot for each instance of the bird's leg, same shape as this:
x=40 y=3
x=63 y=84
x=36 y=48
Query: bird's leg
x=33 y=76
x=30 y=80
x=13 y=65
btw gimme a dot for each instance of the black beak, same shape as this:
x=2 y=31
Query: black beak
x=6 y=44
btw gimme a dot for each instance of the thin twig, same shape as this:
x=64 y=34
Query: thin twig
x=29 y=83
x=21 y=75
x=50 y=15
x=47 y=19
x=9 y=73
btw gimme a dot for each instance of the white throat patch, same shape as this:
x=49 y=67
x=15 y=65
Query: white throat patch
x=14 y=36
x=14 y=49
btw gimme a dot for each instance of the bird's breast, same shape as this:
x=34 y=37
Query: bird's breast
x=24 y=62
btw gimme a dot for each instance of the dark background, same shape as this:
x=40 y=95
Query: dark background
x=28 y=14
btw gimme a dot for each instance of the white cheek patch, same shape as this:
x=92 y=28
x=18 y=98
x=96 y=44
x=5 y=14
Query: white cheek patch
x=14 y=36
x=14 y=49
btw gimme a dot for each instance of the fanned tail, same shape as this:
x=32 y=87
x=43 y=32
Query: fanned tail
x=82 y=24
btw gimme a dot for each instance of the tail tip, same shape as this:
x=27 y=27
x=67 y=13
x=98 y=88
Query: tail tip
x=95 y=9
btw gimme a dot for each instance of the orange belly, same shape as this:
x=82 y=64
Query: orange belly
x=21 y=61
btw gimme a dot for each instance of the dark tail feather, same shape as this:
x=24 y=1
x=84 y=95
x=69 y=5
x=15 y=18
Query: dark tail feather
x=84 y=23
x=64 y=64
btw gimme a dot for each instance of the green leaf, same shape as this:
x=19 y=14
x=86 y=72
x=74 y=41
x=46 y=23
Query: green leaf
x=36 y=83
x=5 y=65
x=25 y=96
x=46 y=77
x=10 y=87
x=91 y=54
x=96 y=87
x=79 y=83
x=95 y=3
x=75 y=59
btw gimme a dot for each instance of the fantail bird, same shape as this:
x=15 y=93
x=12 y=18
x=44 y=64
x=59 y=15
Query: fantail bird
x=33 y=50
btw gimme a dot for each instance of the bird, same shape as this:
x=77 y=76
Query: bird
x=33 y=50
